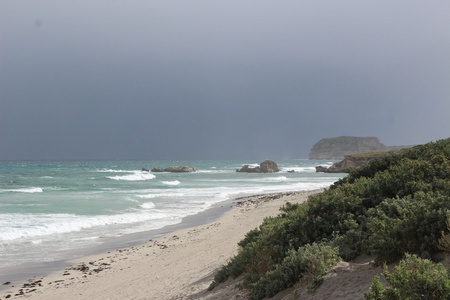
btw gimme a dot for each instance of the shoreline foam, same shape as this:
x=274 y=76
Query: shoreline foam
x=180 y=262
x=20 y=274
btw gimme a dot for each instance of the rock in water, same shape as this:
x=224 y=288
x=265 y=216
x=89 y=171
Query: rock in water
x=175 y=169
x=247 y=169
x=321 y=169
x=269 y=166
x=266 y=166
x=180 y=169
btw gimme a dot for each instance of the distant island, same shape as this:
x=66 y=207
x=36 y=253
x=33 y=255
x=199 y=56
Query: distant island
x=338 y=147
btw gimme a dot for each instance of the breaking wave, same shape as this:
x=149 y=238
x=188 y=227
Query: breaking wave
x=24 y=190
x=136 y=176
x=175 y=182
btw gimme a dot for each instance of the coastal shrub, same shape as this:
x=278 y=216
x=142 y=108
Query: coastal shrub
x=413 y=278
x=312 y=260
x=436 y=153
x=373 y=167
x=412 y=224
x=392 y=206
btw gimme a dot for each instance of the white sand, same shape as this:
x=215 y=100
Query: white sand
x=179 y=265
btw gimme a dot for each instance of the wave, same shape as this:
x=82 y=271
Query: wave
x=150 y=196
x=115 y=171
x=39 y=225
x=175 y=182
x=24 y=190
x=253 y=165
x=299 y=169
x=268 y=179
x=275 y=179
x=148 y=205
x=136 y=176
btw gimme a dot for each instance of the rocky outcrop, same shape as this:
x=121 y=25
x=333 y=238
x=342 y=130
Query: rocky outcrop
x=354 y=161
x=320 y=169
x=348 y=162
x=175 y=169
x=266 y=166
x=337 y=148
x=269 y=166
x=247 y=169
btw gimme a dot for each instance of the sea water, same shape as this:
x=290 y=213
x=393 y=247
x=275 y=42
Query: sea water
x=48 y=208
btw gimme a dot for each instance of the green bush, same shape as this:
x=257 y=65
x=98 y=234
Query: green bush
x=413 y=224
x=413 y=278
x=312 y=260
x=394 y=205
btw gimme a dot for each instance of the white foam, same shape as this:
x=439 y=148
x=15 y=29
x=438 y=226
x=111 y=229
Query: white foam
x=136 y=176
x=277 y=179
x=160 y=194
x=41 y=225
x=24 y=190
x=299 y=169
x=269 y=179
x=170 y=195
x=149 y=196
x=115 y=171
x=148 y=205
x=175 y=182
x=215 y=171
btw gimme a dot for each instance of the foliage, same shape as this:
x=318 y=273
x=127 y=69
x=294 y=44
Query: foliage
x=413 y=278
x=311 y=260
x=444 y=241
x=407 y=225
x=394 y=205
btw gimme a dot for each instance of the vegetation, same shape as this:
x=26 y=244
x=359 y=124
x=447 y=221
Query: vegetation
x=413 y=278
x=395 y=205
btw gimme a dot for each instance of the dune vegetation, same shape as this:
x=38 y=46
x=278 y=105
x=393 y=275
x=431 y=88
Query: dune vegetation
x=397 y=207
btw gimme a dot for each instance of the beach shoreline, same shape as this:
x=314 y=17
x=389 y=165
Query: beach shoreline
x=20 y=274
x=176 y=262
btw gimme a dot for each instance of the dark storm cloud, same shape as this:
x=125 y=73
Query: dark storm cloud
x=197 y=79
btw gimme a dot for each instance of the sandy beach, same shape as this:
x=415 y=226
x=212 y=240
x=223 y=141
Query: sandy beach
x=179 y=265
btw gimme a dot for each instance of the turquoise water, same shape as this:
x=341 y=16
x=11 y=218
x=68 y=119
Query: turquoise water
x=52 y=206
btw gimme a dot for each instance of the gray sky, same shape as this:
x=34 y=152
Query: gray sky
x=218 y=79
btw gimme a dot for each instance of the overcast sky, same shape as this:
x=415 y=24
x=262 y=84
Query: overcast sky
x=218 y=79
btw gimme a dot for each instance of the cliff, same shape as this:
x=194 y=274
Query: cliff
x=338 y=147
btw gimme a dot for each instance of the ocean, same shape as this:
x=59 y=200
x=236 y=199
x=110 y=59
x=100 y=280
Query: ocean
x=50 y=208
